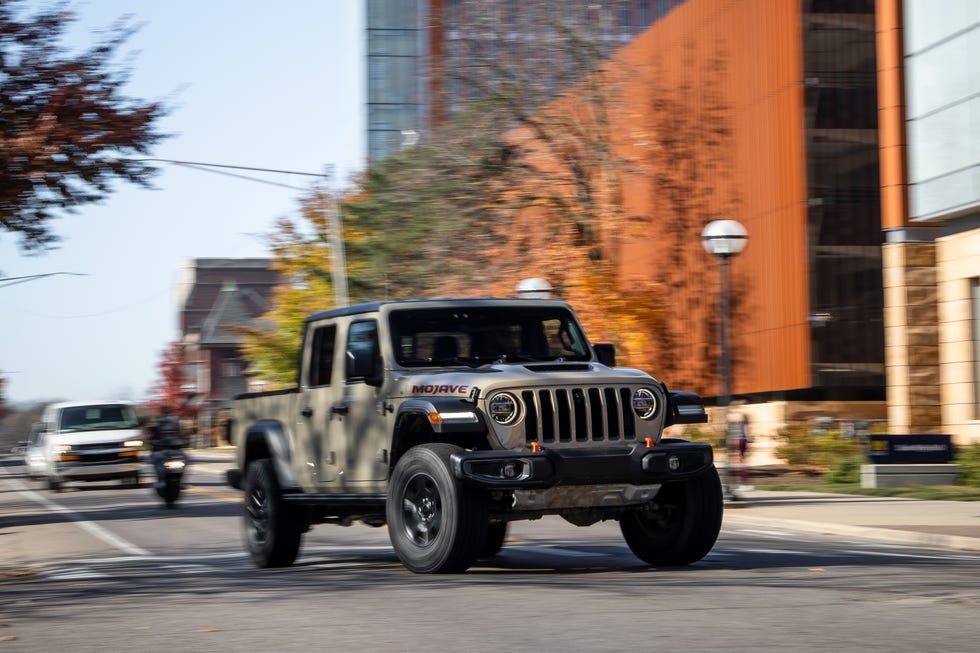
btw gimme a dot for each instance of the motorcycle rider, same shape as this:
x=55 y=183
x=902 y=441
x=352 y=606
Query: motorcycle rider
x=168 y=459
x=165 y=433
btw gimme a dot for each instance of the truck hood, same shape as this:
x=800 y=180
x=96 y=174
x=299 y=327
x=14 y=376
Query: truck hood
x=96 y=437
x=460 y=381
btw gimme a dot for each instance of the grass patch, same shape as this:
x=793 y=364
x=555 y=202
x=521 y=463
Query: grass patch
x=930 y=492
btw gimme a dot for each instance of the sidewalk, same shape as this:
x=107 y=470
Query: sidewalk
x=943 y=524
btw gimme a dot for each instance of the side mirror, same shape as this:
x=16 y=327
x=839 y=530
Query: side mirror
x=362 y=366
x=685 y=408
x=606 y=353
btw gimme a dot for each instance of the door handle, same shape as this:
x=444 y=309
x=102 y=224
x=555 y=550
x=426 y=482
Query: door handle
x=307 y=412
x=340 y=409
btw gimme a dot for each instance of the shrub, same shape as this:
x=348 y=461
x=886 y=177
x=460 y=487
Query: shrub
x=814 y=448
x=845 y=470
x=968 y=458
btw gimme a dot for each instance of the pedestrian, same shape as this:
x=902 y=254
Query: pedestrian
x=738 y=445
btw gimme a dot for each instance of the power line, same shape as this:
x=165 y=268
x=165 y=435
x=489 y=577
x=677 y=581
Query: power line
x=13 y=281
x=235 y=167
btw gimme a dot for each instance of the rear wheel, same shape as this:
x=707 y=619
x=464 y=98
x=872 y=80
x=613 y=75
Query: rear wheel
x=680 y=525
x=54 y=484
x=436 y=524
x=272 y=529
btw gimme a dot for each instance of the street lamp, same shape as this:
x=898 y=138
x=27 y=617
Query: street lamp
x=725 y=239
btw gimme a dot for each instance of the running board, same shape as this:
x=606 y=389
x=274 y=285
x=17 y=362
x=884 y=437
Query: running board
x=345 y=502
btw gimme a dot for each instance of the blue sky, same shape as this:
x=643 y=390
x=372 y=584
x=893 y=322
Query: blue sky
x=253 y=83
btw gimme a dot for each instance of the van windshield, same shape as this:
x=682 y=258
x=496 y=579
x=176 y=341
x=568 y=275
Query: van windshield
x=98 y=418
x=474 y=336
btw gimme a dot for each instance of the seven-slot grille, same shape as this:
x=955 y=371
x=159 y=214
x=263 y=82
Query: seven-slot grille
x=579 y=415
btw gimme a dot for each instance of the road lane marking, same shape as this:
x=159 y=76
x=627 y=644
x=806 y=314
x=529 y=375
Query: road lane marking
x=75 y=573
x=88 y=526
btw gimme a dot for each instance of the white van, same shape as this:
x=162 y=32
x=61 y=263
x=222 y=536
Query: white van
x=85 y=441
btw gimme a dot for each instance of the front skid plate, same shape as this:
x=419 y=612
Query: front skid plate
x=584 y=496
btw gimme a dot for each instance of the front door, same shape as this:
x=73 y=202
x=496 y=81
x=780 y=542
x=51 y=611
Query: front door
x=365 y=420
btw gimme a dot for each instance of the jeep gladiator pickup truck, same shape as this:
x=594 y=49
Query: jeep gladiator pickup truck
x=447 y=419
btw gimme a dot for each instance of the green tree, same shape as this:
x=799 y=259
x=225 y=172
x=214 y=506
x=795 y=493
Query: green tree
x=66 y=127
x=302 y=252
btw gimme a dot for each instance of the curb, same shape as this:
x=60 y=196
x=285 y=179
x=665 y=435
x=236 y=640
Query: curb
x=935 y=540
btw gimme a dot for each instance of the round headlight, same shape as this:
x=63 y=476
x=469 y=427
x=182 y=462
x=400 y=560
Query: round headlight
x=504 y=408
x=644 y=403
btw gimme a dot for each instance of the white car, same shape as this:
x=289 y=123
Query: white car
x=85 y=441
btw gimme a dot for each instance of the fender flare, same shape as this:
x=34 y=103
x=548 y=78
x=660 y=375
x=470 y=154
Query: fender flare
x=270 y=435
x=442 y=406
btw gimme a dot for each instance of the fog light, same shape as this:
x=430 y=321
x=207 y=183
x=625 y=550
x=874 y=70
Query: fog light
x=510 y=470
x=673 y=463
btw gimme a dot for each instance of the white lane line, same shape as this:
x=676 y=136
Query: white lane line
x=918 y=556
x=189 y=569
x=75 y=573
x=791 y=552
x=90 y=527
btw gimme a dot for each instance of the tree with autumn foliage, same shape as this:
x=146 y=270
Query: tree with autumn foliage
x=3 y=399
x=303 y=255
x=169 y=389
x=66 y=128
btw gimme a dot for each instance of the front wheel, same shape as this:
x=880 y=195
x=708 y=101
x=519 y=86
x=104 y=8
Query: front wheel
x=496 y=534
x=170 y=491
x=680 y=525
x=272 y=529
x=436 y=524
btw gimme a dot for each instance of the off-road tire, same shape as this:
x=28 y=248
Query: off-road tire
x=496 y=534
x=436 y=524
x=680 y=525
x=272 y=529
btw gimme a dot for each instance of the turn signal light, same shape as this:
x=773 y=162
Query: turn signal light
x=535 y=447
x=649 y=442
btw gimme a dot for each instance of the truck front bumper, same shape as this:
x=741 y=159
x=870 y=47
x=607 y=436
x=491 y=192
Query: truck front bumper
x=629 y=464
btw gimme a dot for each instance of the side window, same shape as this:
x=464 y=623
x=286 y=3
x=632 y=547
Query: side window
x=363 y=352
x=321 y=356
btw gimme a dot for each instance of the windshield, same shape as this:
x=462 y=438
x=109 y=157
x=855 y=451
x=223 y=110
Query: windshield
x=98 y=418
x=476 y=336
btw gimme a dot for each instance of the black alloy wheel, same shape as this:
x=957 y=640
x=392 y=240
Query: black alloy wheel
x=272 y=529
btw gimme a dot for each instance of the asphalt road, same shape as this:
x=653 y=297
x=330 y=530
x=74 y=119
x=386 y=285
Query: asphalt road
x=101 y=567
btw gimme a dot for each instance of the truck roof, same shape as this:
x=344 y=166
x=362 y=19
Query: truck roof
x=374 y=307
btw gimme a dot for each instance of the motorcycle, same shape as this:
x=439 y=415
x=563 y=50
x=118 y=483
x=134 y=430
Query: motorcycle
x=169 y=462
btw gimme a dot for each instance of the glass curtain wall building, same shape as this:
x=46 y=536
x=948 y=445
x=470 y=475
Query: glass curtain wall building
x=407 y=93
x=843 y=196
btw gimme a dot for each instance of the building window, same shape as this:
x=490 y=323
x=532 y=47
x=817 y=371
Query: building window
x=230 y=369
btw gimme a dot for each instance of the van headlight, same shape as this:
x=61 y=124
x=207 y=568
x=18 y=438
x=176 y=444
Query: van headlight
x=505 y=408
x=644 y=403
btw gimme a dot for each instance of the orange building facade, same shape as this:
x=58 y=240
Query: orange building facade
x=784 y=140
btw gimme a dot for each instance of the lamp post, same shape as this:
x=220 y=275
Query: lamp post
x=724 y=239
